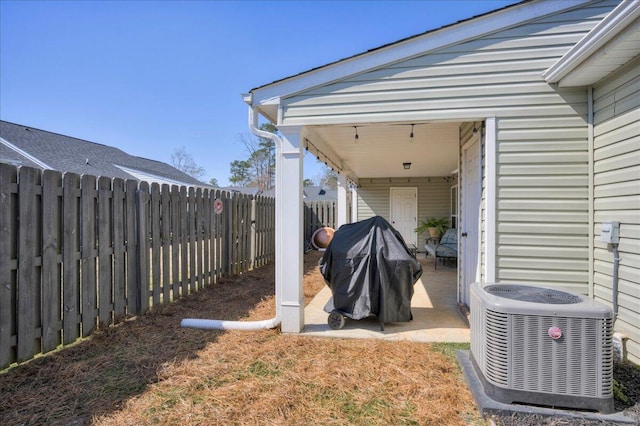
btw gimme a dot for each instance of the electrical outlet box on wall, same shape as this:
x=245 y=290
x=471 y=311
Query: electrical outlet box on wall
x=610 y=232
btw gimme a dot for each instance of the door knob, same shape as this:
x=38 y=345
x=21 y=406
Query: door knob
x=464 y=234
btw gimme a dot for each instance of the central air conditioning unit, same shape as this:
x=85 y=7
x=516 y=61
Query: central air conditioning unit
x=540 y=346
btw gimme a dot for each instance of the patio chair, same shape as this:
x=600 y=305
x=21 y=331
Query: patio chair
x=446 y=248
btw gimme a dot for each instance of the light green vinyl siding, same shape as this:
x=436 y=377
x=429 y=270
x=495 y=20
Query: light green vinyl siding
x=433 y=197
x=499 y=75
x=617 y=196
x=542 y=135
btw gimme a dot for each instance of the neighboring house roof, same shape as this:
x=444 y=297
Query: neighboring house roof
x=247 y=190
x=309 y=193
x=319 y=193
x=25 y=146
x=615 y=41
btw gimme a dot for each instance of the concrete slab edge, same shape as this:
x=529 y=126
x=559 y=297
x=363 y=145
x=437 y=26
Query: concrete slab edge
x=488 y=406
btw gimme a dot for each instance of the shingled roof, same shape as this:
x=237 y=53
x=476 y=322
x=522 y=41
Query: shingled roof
x=25 y=146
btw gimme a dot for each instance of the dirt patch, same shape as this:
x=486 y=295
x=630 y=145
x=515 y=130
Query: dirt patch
x=149 y=370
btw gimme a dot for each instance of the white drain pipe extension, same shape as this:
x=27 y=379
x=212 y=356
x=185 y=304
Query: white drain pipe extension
x=208 y=324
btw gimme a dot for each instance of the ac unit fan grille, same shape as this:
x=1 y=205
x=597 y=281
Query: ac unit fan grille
x=525 y=293
x=497 y=345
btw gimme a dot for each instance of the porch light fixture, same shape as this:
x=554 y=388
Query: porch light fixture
x=411 y=135
x=356 y=137
x=406 y=166
x=475 y=129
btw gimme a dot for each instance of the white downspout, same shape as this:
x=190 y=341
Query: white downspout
x=207 y=324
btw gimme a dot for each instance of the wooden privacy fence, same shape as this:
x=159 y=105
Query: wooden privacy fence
x=77 y=252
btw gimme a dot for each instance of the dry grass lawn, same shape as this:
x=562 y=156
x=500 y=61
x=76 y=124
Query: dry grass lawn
x=151 y=371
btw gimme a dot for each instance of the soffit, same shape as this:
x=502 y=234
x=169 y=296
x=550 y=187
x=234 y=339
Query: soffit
x=381 y=149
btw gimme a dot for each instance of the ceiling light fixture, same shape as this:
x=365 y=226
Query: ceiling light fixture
x=411 y=135
x=406 y=166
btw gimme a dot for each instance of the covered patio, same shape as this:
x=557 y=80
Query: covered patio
x=436 y=317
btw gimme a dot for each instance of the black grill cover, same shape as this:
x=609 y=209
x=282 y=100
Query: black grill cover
x=370 y=271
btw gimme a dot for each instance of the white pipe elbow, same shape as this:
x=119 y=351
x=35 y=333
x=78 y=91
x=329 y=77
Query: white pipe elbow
x=207 y=324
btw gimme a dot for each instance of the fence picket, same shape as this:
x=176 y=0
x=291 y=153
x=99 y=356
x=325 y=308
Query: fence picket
x=119 y=249
x=175 y=242
x=51 y=260
x=218 y=238
x=191 y=234
x=71 y=257
x=29 y=295
x=155 y=281
x=142 y=285
x=199 y=266
x=183 y=238
x=165 y=202
x=131 y=186
x=105 y=251
x=206 y=236
x=88 y=201
x=8 y=262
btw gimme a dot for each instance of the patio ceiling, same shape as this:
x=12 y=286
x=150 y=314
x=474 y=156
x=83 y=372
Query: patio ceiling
x=382 y=148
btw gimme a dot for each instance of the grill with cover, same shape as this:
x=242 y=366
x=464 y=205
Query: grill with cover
x=370 y=272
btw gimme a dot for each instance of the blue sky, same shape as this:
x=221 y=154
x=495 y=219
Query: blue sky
x=149 y=77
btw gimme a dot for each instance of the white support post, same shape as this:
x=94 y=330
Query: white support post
x=342 y=206
x=289 y=225
x=354 y=205
x=490 y=200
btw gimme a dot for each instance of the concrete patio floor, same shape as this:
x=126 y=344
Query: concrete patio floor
x=435 y=312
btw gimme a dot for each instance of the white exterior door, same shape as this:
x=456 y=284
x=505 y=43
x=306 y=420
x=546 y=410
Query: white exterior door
x=404 y=212
x=469 y=242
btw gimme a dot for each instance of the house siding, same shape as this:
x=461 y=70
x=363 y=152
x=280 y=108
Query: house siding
x=434 y=195
x=617 y=195
x=542 y=134
x=496 y=75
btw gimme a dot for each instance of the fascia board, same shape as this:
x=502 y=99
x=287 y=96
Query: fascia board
x=146 y=176
x=412 y=47
x=610 y=26
x=25 y=154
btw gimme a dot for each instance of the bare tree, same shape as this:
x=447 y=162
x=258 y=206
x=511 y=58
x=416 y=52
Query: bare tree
x=183 y=161
x=261 y=159
x=329 y=178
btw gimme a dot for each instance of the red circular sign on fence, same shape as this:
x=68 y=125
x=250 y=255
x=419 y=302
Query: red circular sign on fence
x=217 y=206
